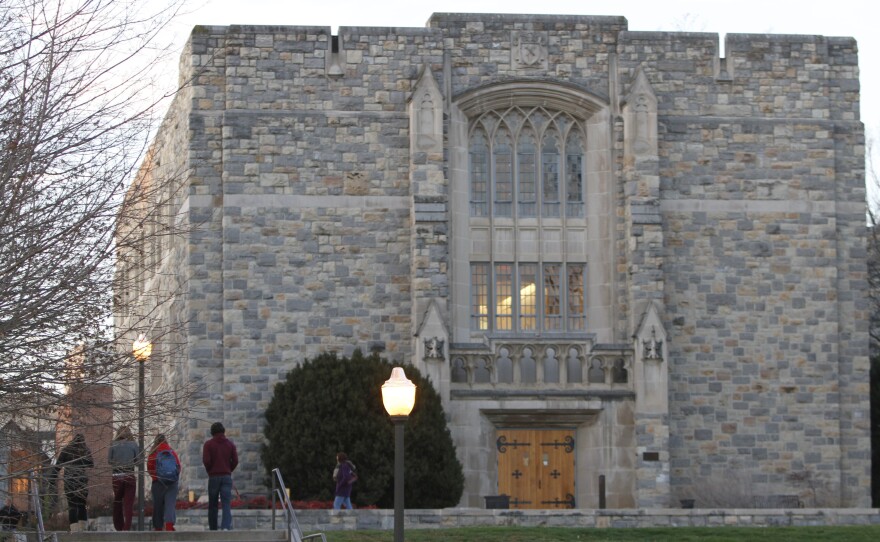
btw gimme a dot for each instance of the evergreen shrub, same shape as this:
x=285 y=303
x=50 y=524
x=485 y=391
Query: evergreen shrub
x=331 y=404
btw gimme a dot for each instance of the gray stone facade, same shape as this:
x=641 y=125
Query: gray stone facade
x=716 y=210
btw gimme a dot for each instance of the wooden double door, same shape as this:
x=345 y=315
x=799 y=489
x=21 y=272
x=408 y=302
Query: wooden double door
x=536 y=467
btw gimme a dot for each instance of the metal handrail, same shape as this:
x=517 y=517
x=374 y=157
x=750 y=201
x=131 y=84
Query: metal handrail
x=37 y=507
x=292 y=524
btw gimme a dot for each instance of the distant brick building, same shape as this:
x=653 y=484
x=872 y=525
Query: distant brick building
x=90 y=413
x=633 y=269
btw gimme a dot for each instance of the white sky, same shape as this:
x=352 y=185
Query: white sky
x=834 y=18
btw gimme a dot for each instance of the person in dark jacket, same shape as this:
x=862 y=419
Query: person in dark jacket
x=345 y=477
x=164 y=491
x=220 y=459
x=123 y=456
x=9 y=516
x=75 y=458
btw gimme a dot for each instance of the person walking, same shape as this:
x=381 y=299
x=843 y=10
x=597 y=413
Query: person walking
x=220 y=459
x=75 y=458
x=345 y=477
x=164 y=467
x=123 y=457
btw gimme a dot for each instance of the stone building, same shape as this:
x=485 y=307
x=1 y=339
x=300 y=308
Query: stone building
x=633 y=269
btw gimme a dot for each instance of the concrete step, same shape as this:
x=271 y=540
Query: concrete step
x=177 y=536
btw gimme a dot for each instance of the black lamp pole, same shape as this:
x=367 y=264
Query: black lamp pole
x=142 y=457
x=399 y=422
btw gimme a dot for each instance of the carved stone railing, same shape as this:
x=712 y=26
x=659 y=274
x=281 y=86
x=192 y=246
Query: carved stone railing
x=542 y=365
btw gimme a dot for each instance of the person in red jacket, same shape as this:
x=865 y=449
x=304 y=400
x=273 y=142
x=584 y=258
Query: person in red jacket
x=220 y=458
x=164 y=488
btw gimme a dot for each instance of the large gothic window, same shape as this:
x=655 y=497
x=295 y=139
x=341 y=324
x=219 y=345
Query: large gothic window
x=530 y=261
x=526 y=189
x=525 y=162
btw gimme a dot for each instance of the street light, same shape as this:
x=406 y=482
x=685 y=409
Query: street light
x=141 y=348
x=398 y=396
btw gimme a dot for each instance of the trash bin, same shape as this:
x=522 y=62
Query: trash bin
x=497 y=502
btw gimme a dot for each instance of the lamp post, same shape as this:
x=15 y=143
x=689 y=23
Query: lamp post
x=398 y=396
x=141 y=348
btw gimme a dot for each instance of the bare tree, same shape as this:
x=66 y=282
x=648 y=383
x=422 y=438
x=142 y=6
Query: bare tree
x=77 y=110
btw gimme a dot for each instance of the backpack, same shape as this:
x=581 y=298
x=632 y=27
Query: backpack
x=167 y=470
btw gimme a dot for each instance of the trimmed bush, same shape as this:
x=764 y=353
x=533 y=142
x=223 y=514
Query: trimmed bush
x=331 y=404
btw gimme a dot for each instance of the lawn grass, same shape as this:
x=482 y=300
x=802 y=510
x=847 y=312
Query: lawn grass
x=569 y=534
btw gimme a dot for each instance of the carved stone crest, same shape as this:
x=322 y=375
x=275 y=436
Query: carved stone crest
x=529 y=49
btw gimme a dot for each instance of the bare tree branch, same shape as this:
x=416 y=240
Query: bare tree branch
x=78 y=107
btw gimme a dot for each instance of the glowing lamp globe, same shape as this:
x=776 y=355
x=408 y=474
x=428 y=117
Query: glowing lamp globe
x=142 y=348
x=398 y=394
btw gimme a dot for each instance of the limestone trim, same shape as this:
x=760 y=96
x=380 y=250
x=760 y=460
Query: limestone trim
x=562 y=418
x=290 y=201
x=760 y=206
x=425 y=110
x=561 y=96
x=640 y=119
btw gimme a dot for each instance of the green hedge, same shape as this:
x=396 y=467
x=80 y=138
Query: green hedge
x=331 y=404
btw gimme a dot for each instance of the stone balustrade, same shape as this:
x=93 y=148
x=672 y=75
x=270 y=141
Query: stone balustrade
x=542 y=365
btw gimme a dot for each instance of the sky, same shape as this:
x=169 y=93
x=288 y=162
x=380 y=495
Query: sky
x=836 y=18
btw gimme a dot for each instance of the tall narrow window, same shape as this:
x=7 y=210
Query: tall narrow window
x=480 y=296
x=504 y=297
x=479 y=165
x=503 y=174
x=527 y=175
x=528 y=297
x=574 y=176
x=550 y=175
x=552 y=300
x=577 y=317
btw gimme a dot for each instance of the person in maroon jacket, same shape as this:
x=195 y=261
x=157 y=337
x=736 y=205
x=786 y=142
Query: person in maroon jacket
x=220 y=458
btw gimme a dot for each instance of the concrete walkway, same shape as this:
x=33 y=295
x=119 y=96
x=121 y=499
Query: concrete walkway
x=177 y=536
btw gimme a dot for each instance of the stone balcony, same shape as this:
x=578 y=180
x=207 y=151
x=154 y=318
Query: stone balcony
x=563 y=368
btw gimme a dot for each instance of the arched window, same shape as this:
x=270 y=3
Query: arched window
x=526 y=185
x=533 y=176
x=532 y=215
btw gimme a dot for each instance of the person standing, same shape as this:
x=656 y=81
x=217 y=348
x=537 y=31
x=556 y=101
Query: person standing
x=123 y=458
x=345 y=477
x=75 y=458
x=164 y=467
x=220 y=459
x=9 y=516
